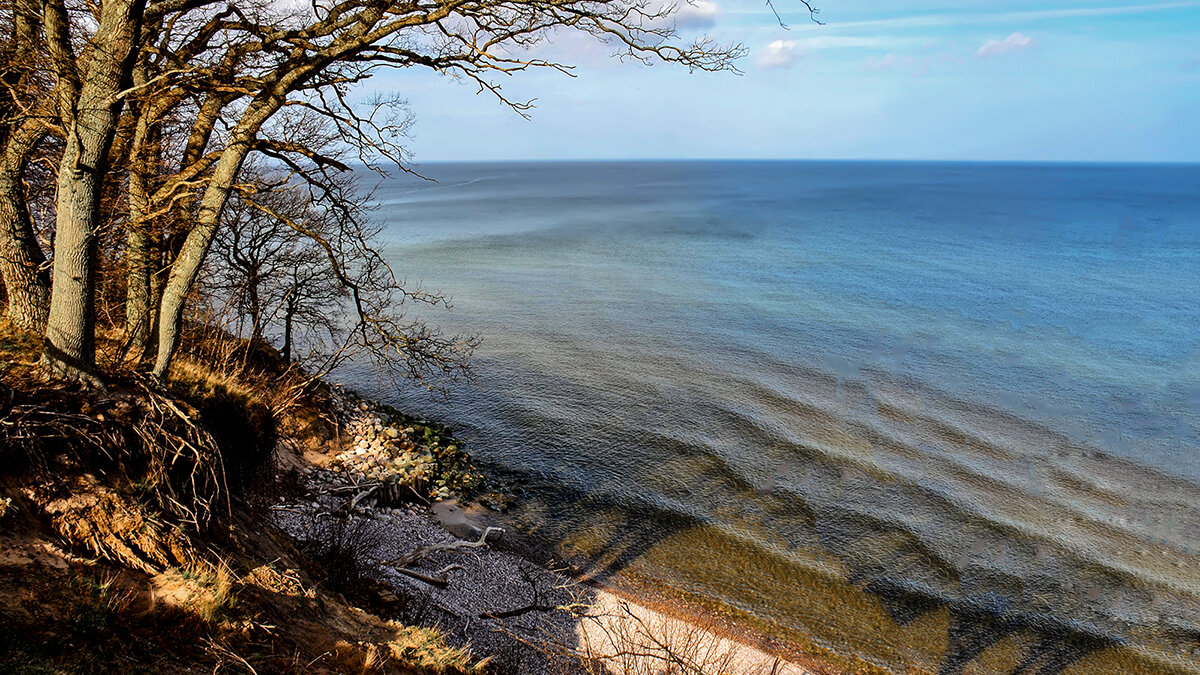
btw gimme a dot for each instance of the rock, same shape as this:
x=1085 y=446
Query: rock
x=451 y=517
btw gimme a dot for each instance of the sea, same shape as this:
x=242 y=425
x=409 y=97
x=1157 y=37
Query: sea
x=909 y=417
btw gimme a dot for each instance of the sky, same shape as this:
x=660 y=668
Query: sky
x=1058 y=80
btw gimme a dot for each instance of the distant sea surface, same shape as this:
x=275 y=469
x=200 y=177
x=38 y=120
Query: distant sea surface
x=922 y=416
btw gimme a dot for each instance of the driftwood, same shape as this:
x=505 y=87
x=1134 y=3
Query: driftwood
x=359 y=497
x=438 y=578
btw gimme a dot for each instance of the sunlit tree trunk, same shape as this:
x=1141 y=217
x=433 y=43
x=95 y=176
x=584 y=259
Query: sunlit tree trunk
x=89 y=103
x=186 y=266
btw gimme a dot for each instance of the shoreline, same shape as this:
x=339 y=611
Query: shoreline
x=675 y=604
x=917 y=646
x=604 y=613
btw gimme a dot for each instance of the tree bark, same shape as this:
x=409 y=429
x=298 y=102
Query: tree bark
x=288 y=316
x=89 y=107
x=140 y=254
x=22 y=262
x=186 y=266
x=140 y=260
x=252 y=288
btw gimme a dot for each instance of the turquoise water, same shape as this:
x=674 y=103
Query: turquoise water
x=962 y=387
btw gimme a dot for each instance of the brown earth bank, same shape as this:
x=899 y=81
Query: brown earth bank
x=259 y=521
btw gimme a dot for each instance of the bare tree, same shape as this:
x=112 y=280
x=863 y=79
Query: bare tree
x=311 y=64
x=159 y=104
x=277 y=278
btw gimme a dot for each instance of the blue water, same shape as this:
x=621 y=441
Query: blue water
x=961 y=381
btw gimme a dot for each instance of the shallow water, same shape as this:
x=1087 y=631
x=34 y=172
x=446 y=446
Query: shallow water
x=940 y=416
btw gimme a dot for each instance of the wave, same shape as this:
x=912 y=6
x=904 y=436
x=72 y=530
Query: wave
x=948 y=402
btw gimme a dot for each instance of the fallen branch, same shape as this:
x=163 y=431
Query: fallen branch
x=409 y=559
x=438 y=578
x=349 y=506
x=338 y=489
x=519 y=611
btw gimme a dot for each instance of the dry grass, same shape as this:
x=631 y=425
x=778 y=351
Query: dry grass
x=103 y=602
x=339 y=546
x=423 y=649
x=190 y=375
x=216 y=581
x=18 y=346
x=411 y=649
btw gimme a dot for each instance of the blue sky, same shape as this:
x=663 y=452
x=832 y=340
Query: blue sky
x=1063 y=80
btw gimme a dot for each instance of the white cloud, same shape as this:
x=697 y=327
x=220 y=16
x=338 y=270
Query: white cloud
x=1013 y=43
x=697 y=14
x=851 y=42
x=779 y=54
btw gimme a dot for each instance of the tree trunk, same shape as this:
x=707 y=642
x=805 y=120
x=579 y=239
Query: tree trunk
x=90 y=106
x=22 y=262
x=70 y=348
x=256 y=326
x=140 y=253
x=186 y=266
x=287 y=332
x=140 y=260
